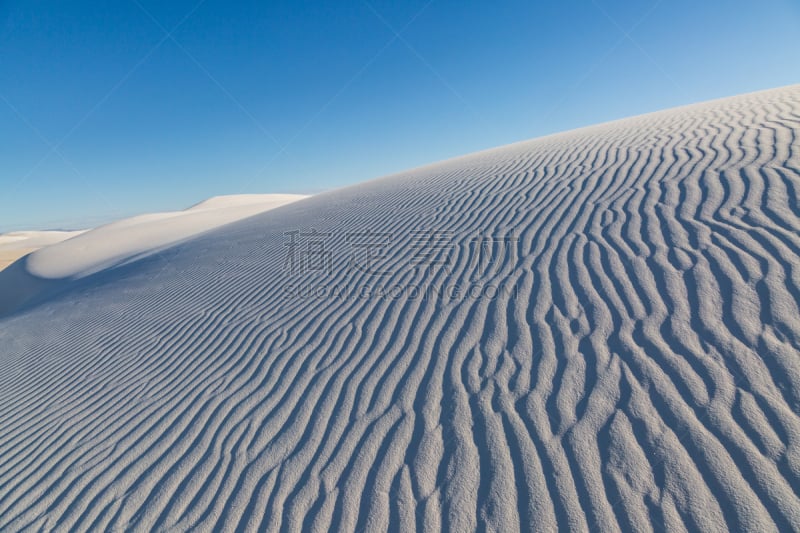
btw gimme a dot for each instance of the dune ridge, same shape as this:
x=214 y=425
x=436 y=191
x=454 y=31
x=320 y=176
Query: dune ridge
x=629 y=362
x=53 y=259
x=18 y=244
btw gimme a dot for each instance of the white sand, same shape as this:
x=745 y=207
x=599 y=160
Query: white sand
x=59 y=258
x=33 y=239
x=20 y=243
x=132 y=238
x=645 y=375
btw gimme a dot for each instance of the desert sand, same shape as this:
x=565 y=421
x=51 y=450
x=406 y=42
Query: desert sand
x=7 y=257
x=21 y=243
x=61 y=257
x=609 y=339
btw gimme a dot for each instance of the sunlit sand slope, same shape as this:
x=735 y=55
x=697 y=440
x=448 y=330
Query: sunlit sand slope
x=59 y=257
x=21 y=243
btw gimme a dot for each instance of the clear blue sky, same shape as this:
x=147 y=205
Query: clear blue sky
x=109 y=109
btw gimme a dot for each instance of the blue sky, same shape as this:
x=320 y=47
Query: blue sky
x=109 y=109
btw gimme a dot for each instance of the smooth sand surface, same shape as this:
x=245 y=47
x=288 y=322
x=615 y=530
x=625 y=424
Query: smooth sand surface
x=9 y=256
x=609 y=341
x=64 y=257
x=132 y=238
x=18 y=244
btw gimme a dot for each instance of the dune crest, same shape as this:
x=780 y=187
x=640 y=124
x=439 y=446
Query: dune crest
x=21 y=243
x=596 y=330
x=60 y=257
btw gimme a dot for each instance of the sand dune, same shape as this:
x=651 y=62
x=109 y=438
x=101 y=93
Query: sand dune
x=122 y=241
x=59 y=258
x=609 y=340
x=21 y=243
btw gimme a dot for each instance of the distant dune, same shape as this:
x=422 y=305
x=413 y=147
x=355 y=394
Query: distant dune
x=595 y=330
x=60 y=257
x=21 y=243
